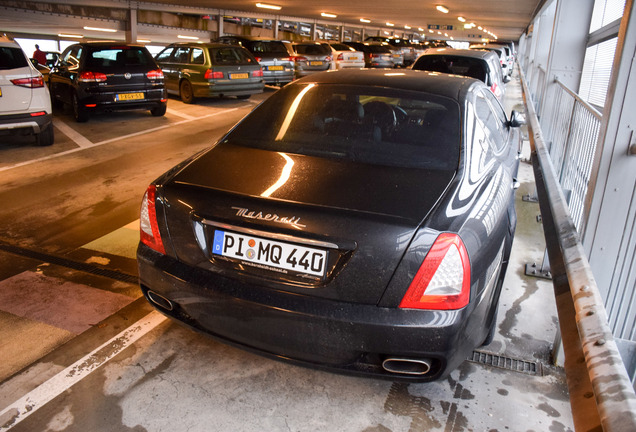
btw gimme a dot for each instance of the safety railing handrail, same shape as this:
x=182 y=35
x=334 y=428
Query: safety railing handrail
x=596 y=113
x=601 y=393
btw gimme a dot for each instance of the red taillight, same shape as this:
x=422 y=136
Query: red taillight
x=149 y=229
x=31 y=82
x=155 y=74
x=258 y=59
x=374 y=55
x=211 y=74
x=443 y=280
x=38 y=114
x=92 y=77
x=298 y=58
x=340 y=57
x=328 y=58
x=257 y=73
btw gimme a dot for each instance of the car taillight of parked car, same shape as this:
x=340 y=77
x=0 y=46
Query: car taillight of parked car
x=31 y=82
x=443 y=280
x=149 y=229
x=257 y=73
x=298 y=59
x=155 y=74
x=92 y=77
x=340 y=57
x=212 y=74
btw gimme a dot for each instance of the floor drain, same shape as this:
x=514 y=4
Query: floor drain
x=508 y=363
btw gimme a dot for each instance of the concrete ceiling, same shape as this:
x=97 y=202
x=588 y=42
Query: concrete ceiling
x=507 y=19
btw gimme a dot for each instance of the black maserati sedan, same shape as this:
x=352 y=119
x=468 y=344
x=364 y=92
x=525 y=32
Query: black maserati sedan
x=357 y=220
x=103 y=76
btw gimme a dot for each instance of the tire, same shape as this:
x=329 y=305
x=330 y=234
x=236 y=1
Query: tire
x=159 y=111
x=45 y=137
x=79 y=112
x=243 y=97
x=185 y=91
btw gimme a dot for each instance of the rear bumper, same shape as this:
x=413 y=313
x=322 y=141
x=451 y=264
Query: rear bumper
x=227 y=88
x=278 y=77
x=306 y=330
x=152 y=98
x=24 y=123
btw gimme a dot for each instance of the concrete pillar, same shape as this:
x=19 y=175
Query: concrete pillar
x=342 y=33
x=220 y=24
x=276 y=24
x=131 y=26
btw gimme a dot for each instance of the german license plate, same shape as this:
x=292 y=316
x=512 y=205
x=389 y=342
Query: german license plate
x=266 y=253
x=239 y=76
x=129 y=96
x=275 y=68
x=354 y=58
x=315 y=63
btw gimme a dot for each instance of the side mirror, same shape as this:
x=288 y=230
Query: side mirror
x=507 y=79
x=516 y=119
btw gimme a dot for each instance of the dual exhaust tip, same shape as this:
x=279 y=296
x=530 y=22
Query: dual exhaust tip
x=395 y=365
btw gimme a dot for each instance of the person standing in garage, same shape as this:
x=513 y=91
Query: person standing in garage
x=39 y=55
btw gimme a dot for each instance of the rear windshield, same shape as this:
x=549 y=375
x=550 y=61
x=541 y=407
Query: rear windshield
x=117 y=57
x=231 y=55
x=373 y=125
x=311 y=49
x=12 y=58
x=378 y=49
x=457 y=65
x=267 y=47
x=341 y=47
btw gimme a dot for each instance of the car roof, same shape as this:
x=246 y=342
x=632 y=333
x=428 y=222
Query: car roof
x=450 y=86
x=252 y=38
x=8 y=42
x=473 y=53
x=108 y=44
x=206 y=45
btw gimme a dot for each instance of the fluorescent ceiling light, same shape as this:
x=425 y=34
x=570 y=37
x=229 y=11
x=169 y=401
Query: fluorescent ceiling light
x=390 y=24
x=328 y=15
x=365 y=20
x=480 y=28
x=442 y=9
x=462 y=19
x=407 y=27
x=67 y=35
x=100 y=29
x=420 y=29
x=431 y=31
x=143 y=40
x=268 y=6
x=446 y=34
x=187 y=37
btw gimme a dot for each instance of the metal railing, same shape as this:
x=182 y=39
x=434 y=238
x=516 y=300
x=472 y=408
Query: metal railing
x=571 y=127
x=601 y=394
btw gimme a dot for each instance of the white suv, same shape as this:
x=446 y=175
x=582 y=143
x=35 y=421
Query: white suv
x=25 y=104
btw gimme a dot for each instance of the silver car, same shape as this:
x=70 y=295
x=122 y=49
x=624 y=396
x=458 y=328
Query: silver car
x=344 y=56
x=309 y=57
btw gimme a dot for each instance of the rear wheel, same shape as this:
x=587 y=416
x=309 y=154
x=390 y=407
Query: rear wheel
x=185 y=91
x=45 y=137
x=159 y=111
x=243 y=97
x=79 y=112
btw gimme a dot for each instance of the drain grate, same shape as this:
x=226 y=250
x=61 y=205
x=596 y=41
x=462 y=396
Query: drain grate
x=64 y=262
x=508 y=363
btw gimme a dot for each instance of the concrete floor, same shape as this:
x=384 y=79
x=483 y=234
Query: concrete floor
x=168 y=378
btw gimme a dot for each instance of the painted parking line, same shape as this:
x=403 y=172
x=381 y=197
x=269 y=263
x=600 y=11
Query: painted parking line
x=22 y=408
x=91 y=145
x=74 y=136
x=180 y=114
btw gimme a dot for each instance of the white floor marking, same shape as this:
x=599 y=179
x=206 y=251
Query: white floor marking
x=180 y=114
x=47 y=391
x=53 y=156
x=75 y=136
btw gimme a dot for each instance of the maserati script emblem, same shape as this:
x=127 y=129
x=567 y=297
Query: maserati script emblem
x=246 y=213
x=127 y=75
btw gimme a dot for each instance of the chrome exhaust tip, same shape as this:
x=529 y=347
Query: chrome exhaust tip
x=160 y=300
x=406 y=366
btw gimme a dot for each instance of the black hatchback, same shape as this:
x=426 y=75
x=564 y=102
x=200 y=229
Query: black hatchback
x=98 y=76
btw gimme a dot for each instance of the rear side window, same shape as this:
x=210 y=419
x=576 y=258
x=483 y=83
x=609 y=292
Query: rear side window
x=465 y=66
x=12 y=58
x=372 y=125
x=118 y=57
x=164 y=55
x=341 y=47
x=231 y=55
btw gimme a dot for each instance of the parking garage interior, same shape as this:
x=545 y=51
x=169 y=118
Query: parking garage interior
x=81 y=349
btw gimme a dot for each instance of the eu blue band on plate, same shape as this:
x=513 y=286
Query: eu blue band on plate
x=219 y=237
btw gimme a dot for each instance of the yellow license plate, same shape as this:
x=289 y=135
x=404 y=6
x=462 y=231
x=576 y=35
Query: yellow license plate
x=316 y=63
x=239 y=76
x=129 y=96
x=274 y=68
x=354 y=58
x=0 y=92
